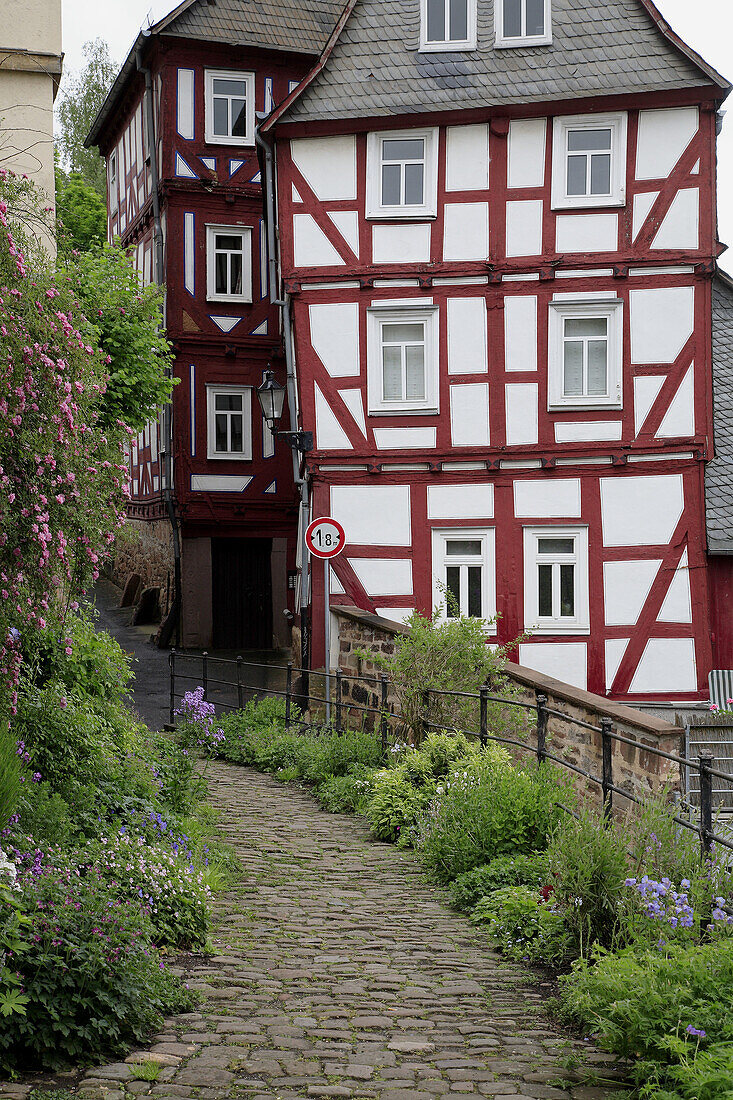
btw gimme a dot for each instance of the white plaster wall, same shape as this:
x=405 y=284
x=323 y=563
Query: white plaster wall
x=469 y=415
x=615 y=649
x=460 y=501
x=641 y=511
x=328 y=165
x=404 y=439
x=677 y=606
x=384 y=576
x=642 y=206
x=662 y=321
x=355 y=403
x=522 y=415
x=663 y=137
x=26 y=126
x=667 y=665
x=520 y=333
x=347 y=223
x=548 y=499
x=219 y=483
x=626 y=585
x=587 y=233
x=679 y=420
x=467 y=158
x=681 y=226
x=466 y=231
x=396 y=614
x=646 y=391
x=185 y=104
x=394 y=244
x=565 y=661
x=335 y=337
x=329 y=433
x=467 y=340
x=592 y=431
x=373 y=515
x=189 y=271
x=527 y=145
x=524 y=228
x=34 y=25
x=312 y=247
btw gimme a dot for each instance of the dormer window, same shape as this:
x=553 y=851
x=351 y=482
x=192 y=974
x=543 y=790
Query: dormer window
x=448 y=25
x=523 y=22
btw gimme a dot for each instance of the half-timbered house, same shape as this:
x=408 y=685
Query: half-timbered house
x=213 y=506
x=497 y=238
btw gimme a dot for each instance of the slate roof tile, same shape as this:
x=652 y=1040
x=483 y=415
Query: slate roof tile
x=719 y=474
x=270 y=24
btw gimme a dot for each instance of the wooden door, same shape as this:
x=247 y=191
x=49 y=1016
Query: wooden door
x=242 y=593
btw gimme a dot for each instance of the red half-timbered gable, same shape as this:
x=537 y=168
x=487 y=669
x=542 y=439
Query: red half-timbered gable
x=499 y=254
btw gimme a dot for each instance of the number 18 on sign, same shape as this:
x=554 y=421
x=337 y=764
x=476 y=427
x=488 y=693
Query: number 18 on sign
x=326 y=538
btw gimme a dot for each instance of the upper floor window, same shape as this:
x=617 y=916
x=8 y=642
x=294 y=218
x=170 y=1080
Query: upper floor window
x=403 y=359
x=448 y=25
x=464 y=573
x=229 y=263
x=112 y=176
x=230 y=107
x=556 y=580
x=585 y=354
x=589 y=161
x=402 y=174
x=523 y=22
x=229 y=421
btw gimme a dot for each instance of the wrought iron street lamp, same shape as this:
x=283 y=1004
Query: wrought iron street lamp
x=271 y=396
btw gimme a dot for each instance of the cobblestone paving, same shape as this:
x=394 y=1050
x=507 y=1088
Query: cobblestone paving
x=341 y=972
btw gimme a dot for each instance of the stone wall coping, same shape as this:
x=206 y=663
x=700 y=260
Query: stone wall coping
x=606 y=708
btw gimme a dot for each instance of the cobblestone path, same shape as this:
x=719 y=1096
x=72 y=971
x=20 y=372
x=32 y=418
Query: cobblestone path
x=341 y=972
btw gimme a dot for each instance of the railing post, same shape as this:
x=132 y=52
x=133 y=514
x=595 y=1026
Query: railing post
x=339 y=691
x=288 y=694
x=383 y=723
x=607 y=778
x=706 y=805
x=205 y=674
x=425 y=715
x=240 y=686
x=172 y=667
x=542 y=718
x=484 y=724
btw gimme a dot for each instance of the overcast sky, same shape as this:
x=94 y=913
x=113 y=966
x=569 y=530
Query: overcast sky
x=707 y=25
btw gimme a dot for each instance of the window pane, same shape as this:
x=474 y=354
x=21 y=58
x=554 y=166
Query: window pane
x=222 y=86
x=576 y=175
x=459 y=20
x=535 y=16
x=414 y=192
x=228 y=402
x=229 y=244
x=475 y=608
x=239 y=118
x=236 y=285
x=586 y=326
x=403 y=334
x=222 y=442
x=556 y=546
x=453 y=585
x=415 y=373
x=237 y=434
x=544 y=581
x=512 y=18
x=436 y=20
x=463 y=548
x=600 y=174
x=403 y=149
x=597 y=368
x=222 y=286
x=391 y=185
x=573 y=373
x=588 y=140
x=221 y=117
x=567 y=591
x=392 y=374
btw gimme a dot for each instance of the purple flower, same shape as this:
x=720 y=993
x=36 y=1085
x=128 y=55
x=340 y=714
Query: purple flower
x=696 y=1032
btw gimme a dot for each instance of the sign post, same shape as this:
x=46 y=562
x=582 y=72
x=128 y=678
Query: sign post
x=325 y=539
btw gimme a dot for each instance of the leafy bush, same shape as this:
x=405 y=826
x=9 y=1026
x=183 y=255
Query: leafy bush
x=329 y=754
x=79 y=657
x=489 y=809
x=347 y=794
x=66 y=739
x=396 y=804
x=11 y=775
x=667 y=1009
x=525 y=926
x=514 y=870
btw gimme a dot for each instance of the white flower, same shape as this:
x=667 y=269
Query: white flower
x=8 y=870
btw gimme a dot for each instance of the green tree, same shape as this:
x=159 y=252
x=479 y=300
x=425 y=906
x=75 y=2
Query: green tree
x=81 y=214
x=80 y=100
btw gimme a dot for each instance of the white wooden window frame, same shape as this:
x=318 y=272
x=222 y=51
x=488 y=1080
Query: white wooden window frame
x=375 y=209
x=612 y=310
x=618 y=125
x=487 y=560
x=533 y=622
x=391 y=313
x=243 y=231
x=113 y=182
x=449 y=45
x=505 y=43
x=213 y=390
x=212 y=138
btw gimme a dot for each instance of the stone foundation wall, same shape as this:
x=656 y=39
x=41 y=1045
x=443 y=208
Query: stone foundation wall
x=635 y=769
x=146 y=549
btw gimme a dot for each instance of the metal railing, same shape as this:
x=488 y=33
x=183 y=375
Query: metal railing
x=235 y=693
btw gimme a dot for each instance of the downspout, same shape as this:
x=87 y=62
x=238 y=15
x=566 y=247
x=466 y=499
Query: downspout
x=173 y=621
x=301 y=480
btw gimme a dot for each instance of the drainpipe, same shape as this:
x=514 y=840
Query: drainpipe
x=301 y=481
x=174 y=617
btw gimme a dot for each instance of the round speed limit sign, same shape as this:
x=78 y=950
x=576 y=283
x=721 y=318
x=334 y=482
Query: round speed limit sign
x=325 y=538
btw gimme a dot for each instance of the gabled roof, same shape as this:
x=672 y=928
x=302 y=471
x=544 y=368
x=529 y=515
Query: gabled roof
x=293 y=26
x=373 y=67
x=719 y=474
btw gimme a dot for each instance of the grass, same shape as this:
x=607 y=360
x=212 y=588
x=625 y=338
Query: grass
x=146 y=1071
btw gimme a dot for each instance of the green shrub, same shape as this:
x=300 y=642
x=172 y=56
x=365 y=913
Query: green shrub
x=97 y=665
x=396 y=804
x=640 y=1005
x=524 y=925
x=513 y=870
x=12 y=778
x=330 y=754
x=490 y=808
x=347 y=794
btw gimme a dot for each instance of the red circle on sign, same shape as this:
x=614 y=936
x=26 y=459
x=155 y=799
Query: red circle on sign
x=325 y=538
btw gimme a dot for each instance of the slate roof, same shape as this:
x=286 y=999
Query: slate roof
x=719 y=474
x=615 y=47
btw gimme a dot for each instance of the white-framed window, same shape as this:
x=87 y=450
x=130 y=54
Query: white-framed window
x=589 y=161
x=402 y=174
x=229 y=421
x=113 y=185
x=585 y=354
x=230 y=107
x=464 y=573
x=523 y=22
x=402 y=344
x=229 y=263
x=447 y=24
x=556 y=580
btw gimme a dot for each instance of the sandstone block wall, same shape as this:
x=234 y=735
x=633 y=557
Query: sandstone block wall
x=147 y=549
